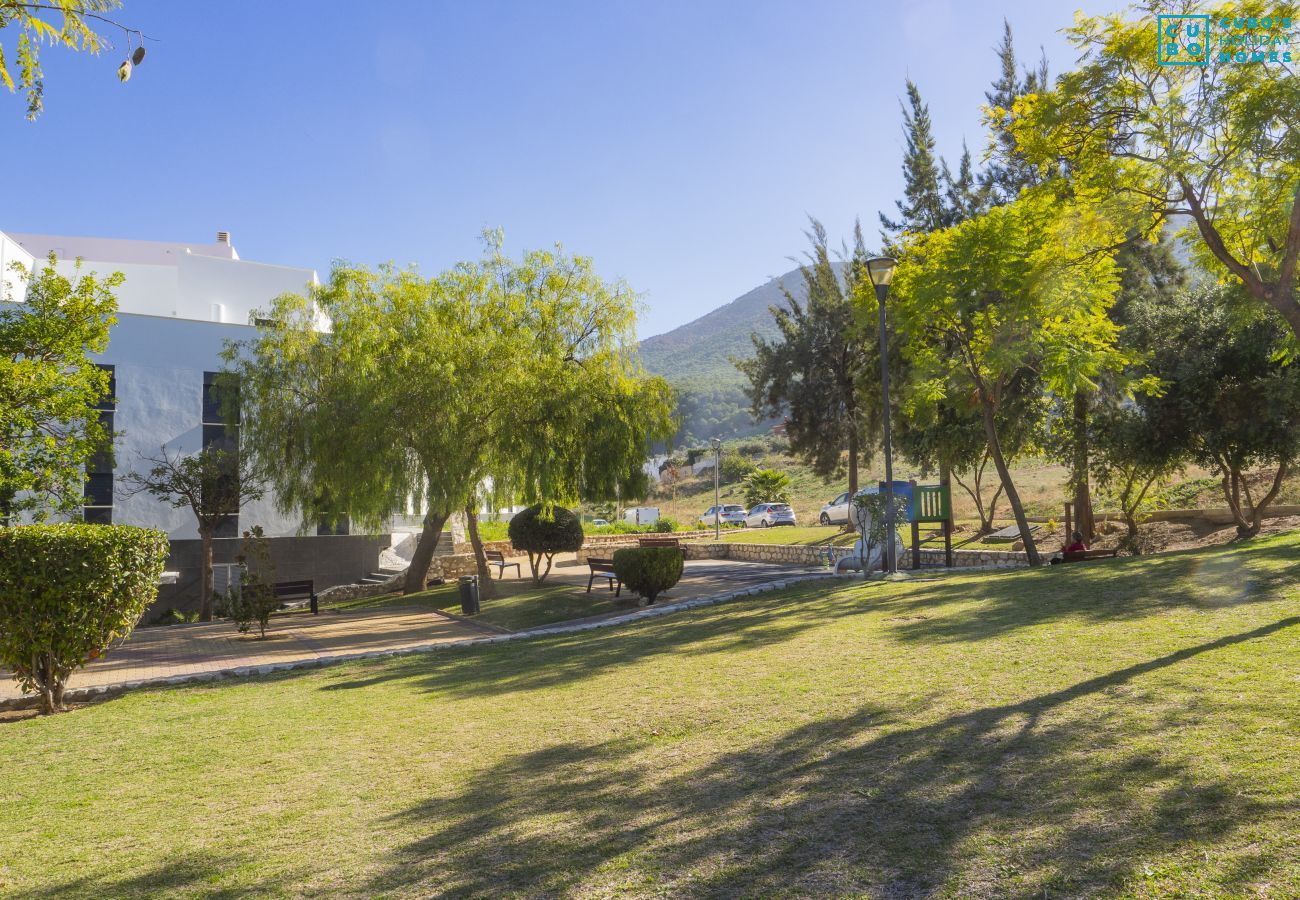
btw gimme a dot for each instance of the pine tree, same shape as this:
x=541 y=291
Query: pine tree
x=963 y=197
x=1008 y=172
x=922 y=207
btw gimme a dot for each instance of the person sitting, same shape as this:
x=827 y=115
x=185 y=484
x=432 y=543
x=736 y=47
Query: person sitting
x=1076 y=545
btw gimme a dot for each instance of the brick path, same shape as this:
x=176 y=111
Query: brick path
x=157 y=654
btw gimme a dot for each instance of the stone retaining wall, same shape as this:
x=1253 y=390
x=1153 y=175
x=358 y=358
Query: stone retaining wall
x=799 y=555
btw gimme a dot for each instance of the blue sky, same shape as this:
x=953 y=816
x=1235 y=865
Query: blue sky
x=681 y=144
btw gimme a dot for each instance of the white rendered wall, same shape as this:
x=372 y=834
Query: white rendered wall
x=159 y=366
x=12 y=286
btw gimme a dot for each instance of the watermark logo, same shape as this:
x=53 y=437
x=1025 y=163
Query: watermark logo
x=1193 y=40
x=1184 y=40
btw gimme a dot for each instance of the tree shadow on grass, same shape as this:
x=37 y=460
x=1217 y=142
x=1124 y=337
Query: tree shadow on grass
x=1041 y=797
x=1122 y=589
x=195 y=874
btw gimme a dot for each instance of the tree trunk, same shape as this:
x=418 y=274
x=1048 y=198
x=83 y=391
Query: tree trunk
x=486 y=589
x=430 y=532
x=205 y=580
x=1084 y=522
x=853 y=461
x=1013 y=496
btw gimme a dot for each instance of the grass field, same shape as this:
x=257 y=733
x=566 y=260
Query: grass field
x=518 y=604
x=1125 y=728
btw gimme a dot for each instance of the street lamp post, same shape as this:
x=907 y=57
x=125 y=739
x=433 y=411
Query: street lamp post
x=717 y=466
x=881 y=270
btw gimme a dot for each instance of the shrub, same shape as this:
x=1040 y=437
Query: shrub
x=252 y=600
x=542 y=531
x=766 y=486
x=648 y=570
x=735 y=468
x=665 y=525
x=66 y=592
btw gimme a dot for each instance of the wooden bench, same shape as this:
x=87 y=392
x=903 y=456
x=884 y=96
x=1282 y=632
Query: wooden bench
x=670 y=543
x=297 y=590
x=1086 y=555
x=498 y=559
x=604 y=568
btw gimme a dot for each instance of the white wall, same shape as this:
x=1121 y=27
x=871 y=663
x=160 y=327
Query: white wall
x=159 y=365
x=12 y=287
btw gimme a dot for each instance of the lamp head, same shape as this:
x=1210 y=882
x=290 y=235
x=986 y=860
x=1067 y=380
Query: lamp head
x=881 y=270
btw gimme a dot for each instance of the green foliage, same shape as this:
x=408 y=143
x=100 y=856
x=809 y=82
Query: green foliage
x=73 y=30
x=49 y=387
x=1216 y=144
x=665 y=525
x=766 y=486
x=1229 y=398
x=519 y=370
x=542 y=531
x=67 y=592
x=922 y=209
x=814 y=372
x=1131 y=459
x=649 y=571
x=252 y=600
x=735 y=467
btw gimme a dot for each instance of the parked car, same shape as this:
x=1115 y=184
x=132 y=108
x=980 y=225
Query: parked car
x=597 y=522
x=641 y=515
x=836 y=512
x=729 y=514
x=766 y=515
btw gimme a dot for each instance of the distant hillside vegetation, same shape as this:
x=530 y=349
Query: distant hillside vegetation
x=696 y=359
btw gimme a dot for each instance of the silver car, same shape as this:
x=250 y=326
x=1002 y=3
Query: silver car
x=836 y=512
x=728 y=514
x=766 y=515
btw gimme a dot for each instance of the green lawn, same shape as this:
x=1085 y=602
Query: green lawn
x=1124 y=728
x=518 y=604
x=818 y=534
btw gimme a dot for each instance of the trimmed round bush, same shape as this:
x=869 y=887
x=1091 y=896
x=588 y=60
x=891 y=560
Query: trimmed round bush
x=67 y=592
x=648 y=570
x=542 y=531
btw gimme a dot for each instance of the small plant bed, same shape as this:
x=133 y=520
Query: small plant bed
x=517 y=606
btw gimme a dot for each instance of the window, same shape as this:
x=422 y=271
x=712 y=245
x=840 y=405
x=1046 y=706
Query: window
x=221 y=435
x=97 y=504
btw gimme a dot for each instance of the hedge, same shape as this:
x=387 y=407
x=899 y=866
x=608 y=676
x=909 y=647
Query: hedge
x=67 y=592
x=648 y=570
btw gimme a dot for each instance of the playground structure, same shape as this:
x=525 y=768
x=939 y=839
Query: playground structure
x=926 y=504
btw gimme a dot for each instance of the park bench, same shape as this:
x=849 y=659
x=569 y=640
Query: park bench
x=670 y=543
x=498 y=559
x=1086 y=555
x=604 y=568
x=297 y=590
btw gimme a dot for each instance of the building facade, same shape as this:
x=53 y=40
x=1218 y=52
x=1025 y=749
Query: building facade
x=178 y=307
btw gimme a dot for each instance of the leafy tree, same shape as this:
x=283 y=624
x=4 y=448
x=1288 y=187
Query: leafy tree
x=1008 y=171
x=214 y=484
x=66 y=593
x=542 y=531
x=423 y=388
x=766 y=486
x=49 y=388
x=872 y=521
x=922 y=207
x=1230 y=397
x=735 y=467
x=75 y=30
x=1021 y=286
x=1217 y=144
x=1131 y=458
x=816 y=368
x=252 y=601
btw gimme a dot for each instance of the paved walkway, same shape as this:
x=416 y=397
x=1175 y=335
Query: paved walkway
x=188 y=652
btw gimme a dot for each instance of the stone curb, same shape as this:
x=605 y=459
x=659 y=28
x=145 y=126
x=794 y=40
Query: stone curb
x=77 y=695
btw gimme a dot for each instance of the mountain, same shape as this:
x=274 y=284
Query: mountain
x=696 y=359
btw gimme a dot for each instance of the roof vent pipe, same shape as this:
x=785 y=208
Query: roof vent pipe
x=223 y=237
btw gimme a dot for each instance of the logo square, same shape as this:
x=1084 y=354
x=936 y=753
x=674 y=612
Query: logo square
x=1183 y=40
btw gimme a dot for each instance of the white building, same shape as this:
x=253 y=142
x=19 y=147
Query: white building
x=179 y=305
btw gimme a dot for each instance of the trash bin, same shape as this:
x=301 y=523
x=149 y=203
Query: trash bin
x=469 y=594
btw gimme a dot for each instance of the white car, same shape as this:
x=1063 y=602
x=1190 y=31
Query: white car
x=598 y=522
x=729 y=514
x=767 y=515
x=836 y=512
